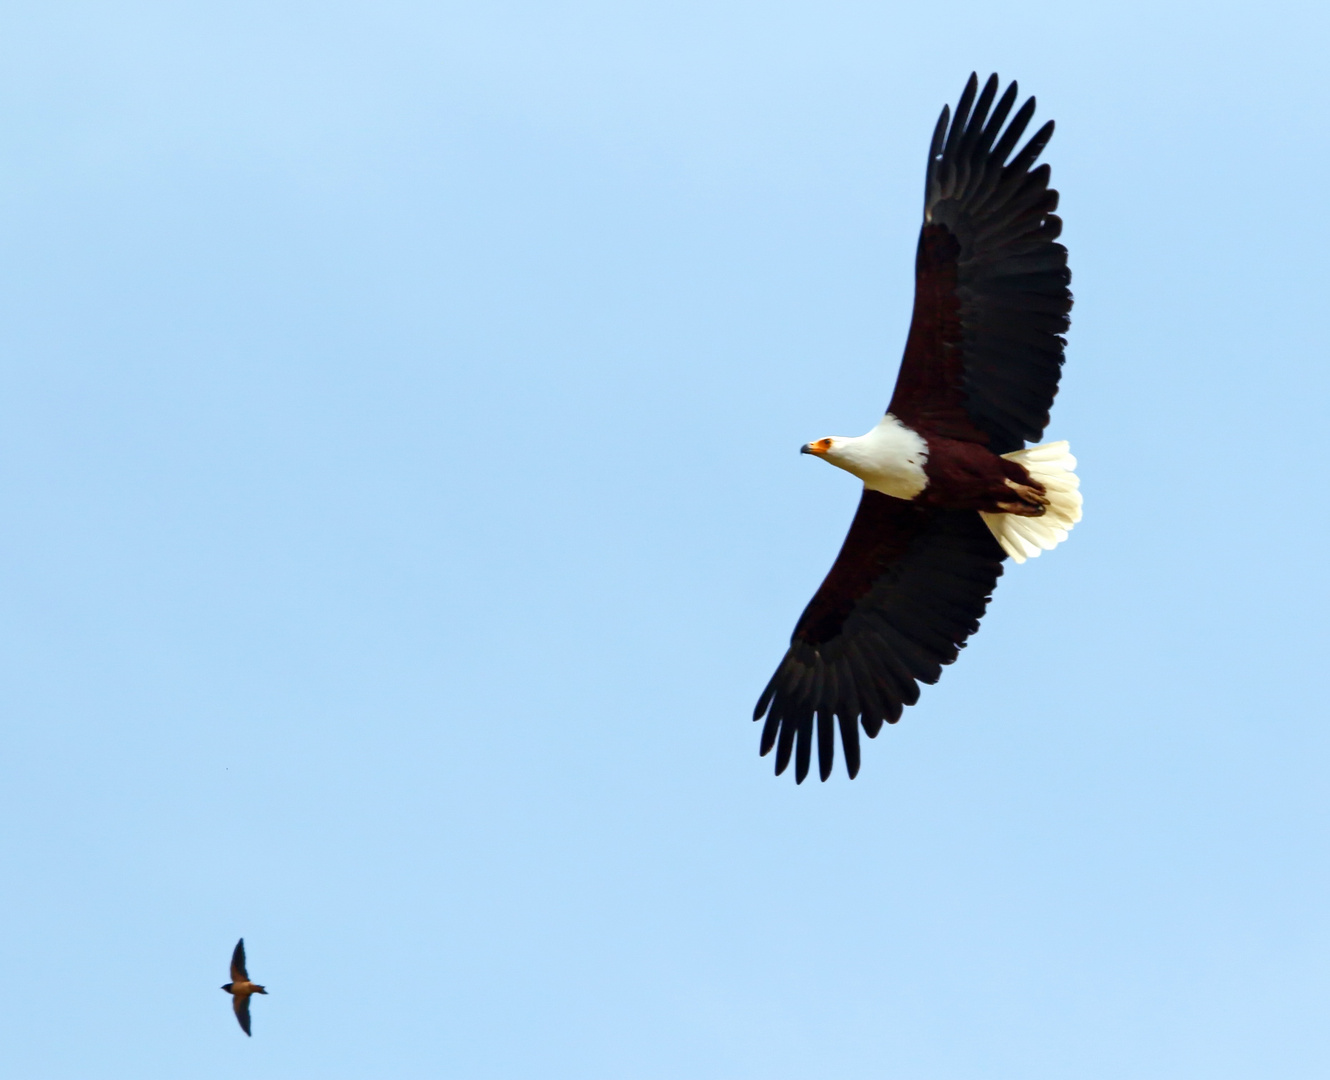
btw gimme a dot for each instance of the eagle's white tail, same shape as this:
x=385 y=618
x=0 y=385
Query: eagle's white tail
x=1024 y=537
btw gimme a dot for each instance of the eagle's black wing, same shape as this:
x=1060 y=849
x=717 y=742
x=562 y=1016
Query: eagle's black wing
x=985 y=349
x=909 y=586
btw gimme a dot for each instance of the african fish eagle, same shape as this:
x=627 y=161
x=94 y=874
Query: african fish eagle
x=950 y=488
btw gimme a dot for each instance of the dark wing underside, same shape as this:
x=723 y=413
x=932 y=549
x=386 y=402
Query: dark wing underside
x=240 y=1002
x=238 y=972
x=908 y=587
x=991 y=303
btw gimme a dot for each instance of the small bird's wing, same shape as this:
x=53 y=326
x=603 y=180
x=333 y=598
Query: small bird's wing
x=238 y=972
x=909 y=586
x=991 y=301
x=240 y=1002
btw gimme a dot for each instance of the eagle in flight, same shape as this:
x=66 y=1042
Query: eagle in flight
x=950 y=487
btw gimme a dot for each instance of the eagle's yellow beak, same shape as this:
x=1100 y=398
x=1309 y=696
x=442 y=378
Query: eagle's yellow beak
x=819 y=447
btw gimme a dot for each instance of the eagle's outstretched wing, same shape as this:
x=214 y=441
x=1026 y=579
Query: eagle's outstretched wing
x=991 y=300
x=908 y=587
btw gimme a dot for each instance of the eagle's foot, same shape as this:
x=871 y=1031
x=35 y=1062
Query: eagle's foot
x=1032 y=503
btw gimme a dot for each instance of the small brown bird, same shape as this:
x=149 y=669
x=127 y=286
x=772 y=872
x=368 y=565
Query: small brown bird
x=240 y=987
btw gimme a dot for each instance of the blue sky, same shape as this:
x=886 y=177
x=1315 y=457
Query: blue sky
x=400 y=512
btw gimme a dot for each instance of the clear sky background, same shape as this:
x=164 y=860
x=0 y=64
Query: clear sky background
x=400 y=512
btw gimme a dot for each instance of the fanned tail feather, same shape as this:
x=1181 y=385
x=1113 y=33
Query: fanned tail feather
x=1025 y=537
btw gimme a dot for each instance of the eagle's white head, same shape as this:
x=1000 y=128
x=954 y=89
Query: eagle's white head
x=890 y=458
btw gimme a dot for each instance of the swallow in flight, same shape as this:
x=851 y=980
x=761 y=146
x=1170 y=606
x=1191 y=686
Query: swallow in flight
x=240 y=987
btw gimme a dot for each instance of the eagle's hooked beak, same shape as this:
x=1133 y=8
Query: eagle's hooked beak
x=820 y=447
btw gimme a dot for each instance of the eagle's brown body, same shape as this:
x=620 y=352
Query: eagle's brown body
x=969 y=476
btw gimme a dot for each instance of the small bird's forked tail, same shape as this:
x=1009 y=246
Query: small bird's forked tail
x=1025 y=537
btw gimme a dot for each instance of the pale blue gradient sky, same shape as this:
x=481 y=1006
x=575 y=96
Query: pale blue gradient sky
x=400 y=512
